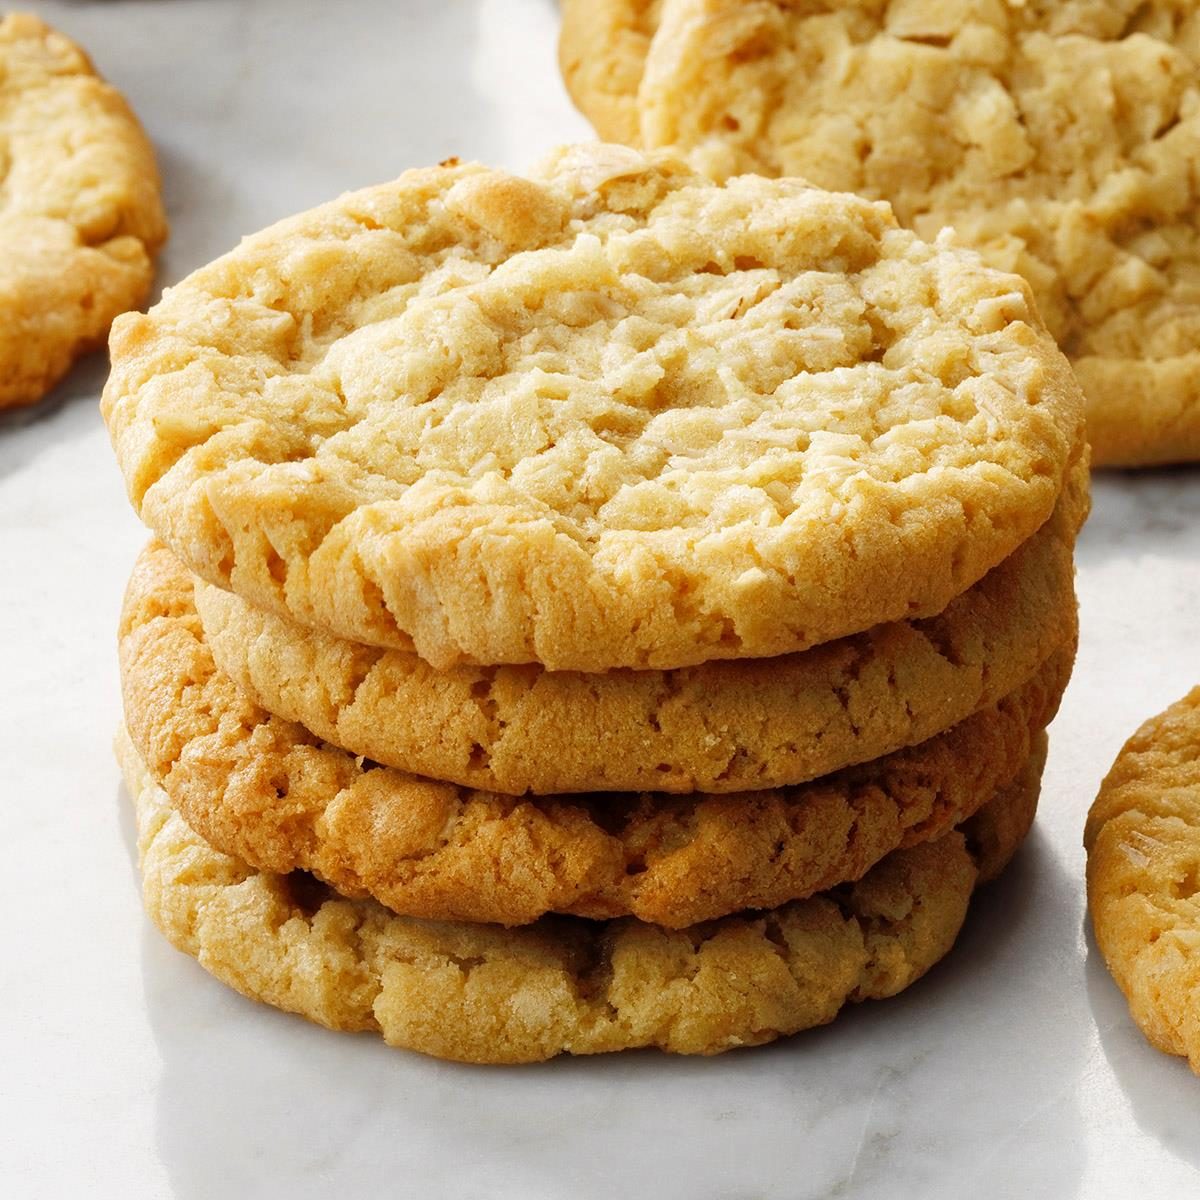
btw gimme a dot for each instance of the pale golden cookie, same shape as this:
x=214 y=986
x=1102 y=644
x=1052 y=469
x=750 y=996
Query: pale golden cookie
x=80 y=213
x=1143 y=843
x=610 y=416
x=271 y=793
x=602 y=52
x=1062 y=140
x=480 y=993
x=717 y=727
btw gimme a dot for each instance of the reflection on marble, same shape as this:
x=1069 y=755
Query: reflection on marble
x=1011 y=1070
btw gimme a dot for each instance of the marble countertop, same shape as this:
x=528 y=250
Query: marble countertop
x=1011 y=1070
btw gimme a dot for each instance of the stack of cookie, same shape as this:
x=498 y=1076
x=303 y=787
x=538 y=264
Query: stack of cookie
x=1061 y=141
x=592 y=610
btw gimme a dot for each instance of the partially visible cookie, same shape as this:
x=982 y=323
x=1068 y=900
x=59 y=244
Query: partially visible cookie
x=602 y=51
x=1143 y=843
x=609 y=415
x=717 y=727
x=1060 y=140
x=271 y=793
x=479 y=993
x=81 y=217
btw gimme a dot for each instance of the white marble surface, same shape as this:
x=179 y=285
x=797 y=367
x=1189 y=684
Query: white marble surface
x=1012 y=1070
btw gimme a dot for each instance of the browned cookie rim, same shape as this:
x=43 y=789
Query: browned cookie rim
x=477 y=993
x=271 y=793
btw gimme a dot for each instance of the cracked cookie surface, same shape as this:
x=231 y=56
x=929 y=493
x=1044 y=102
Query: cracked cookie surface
x=1143 y=844
x=270 y=792
x=1062 y=140
x=611 y=415
x=480 y=993
x=80 y=212
x=718 y=727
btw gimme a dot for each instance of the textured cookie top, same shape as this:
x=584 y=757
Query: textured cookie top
x=1060 y=139
x=1143 y=842
x=479 y=993
x=80 y=213
x=717 y=727
x=269 y=792
x=612 y=415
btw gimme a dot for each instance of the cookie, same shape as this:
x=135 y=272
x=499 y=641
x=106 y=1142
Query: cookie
x=1143 y=876
x=1060 y=140
x=80 y=213
x=718 y=727
x=480 y=993
x=602 y=52
x=612 y=415
x=271 y=793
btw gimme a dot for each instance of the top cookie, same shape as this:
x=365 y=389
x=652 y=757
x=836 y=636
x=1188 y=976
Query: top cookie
x=613 y=415
x=1062 y=140
x=80 y=213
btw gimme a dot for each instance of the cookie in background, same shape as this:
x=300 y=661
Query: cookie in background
x=1062 y=141
x=596 y=609
x=81 y=214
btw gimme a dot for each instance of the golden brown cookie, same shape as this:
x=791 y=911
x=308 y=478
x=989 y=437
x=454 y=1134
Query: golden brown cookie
x=1143 y=843
x=80 y=213
x=611 y=415
x=273 y=794
x=996 y=829
x=480 y=993
x=1062 y=140
x=718 y=727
